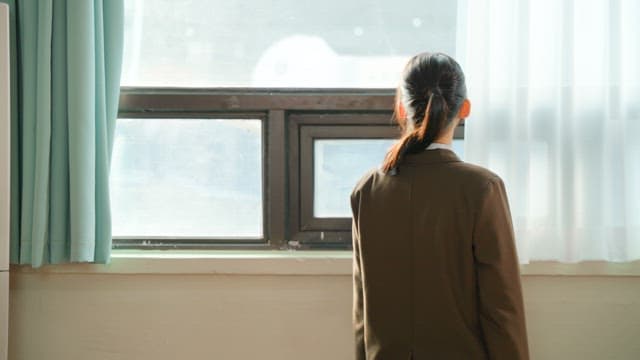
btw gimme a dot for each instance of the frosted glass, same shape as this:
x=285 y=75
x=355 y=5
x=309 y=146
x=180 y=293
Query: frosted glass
x=187 y=178
x=458 y=148
x=281 y=43
x=338 y=164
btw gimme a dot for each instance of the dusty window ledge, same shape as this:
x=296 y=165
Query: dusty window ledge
x=285 y=263
x=211 y=262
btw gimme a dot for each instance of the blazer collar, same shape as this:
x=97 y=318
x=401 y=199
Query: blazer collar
x=431 y=156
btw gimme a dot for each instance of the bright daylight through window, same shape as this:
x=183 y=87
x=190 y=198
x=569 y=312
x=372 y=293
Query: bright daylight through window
x=203 y=152
x=180 y=177
x=248 y=122
x=280 y=43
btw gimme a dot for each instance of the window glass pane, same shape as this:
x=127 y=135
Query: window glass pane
x=339 y=164
x=458 y=147
x=280 y=43
x=187 y=178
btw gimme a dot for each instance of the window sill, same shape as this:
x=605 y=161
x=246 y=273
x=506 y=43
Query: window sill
x=328 y=263
x=223 y=262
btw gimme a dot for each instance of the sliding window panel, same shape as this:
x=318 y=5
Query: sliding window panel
x=332 y=160
x=187 y=180
x=333 y=152
x=338 y=164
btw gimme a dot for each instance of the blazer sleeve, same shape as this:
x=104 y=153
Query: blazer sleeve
x=501 y=308
x=357 y=309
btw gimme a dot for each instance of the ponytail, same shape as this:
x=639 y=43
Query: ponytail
x=432 y=91
x=419 y=137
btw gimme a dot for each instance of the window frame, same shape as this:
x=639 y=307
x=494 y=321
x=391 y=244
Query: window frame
x=291 y=117
x=193 y=242
x=309 y=231
x=275 y=107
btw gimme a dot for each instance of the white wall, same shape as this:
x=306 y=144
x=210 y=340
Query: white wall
x=118 y=316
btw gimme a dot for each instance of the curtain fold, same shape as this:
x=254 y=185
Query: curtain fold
x=555 y=92
x=66 y=64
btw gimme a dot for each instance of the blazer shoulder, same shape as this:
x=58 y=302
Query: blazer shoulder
x=477 y=174
x=364 y=181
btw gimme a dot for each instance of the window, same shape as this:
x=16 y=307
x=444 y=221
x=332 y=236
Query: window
x=198 y=178
x=240 y=122
x=321 y=214
x=281 y=43
x=337 y=165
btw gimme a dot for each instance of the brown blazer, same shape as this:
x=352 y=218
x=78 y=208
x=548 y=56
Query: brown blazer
x=435 y=269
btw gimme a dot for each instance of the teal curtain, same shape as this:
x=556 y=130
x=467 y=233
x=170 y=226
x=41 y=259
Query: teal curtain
x=66 y=63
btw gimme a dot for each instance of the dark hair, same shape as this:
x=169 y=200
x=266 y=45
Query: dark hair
x=432 y=91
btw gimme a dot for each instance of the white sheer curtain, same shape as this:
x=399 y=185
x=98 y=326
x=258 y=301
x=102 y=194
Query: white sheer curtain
x=555 y=92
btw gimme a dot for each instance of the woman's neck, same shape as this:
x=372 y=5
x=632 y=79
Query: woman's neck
x=446 y=135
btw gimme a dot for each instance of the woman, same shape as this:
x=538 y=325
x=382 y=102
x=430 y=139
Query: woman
x=435 y=269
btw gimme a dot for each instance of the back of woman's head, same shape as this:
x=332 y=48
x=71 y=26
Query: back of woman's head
x=428 y=99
